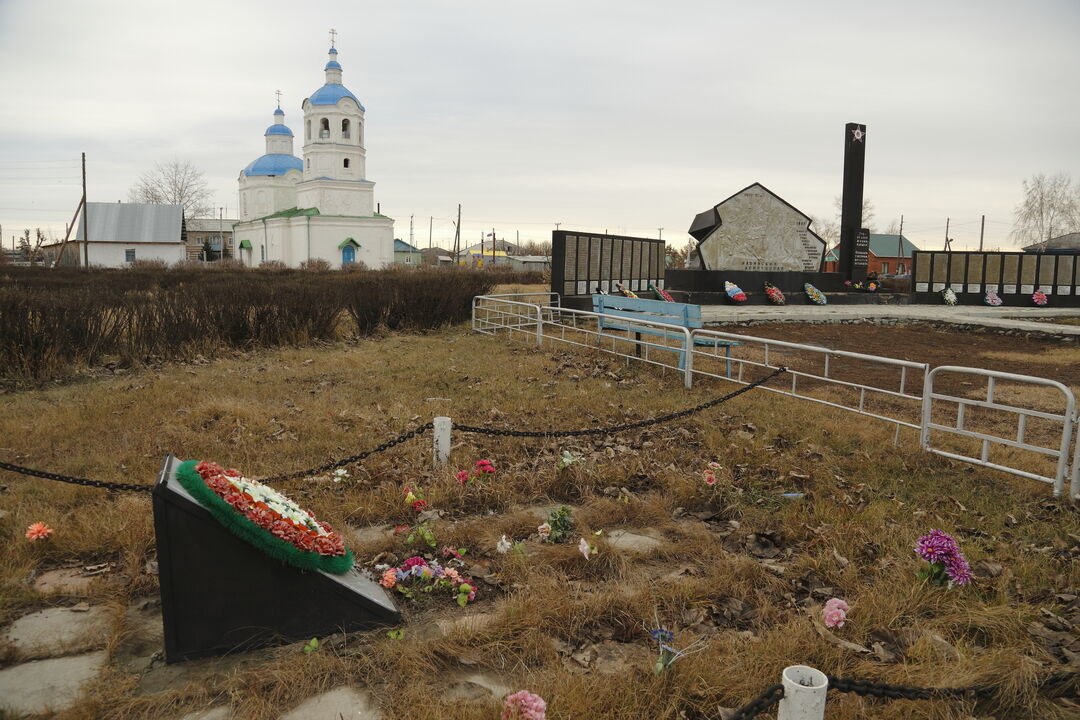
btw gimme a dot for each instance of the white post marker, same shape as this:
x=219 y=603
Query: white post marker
x=804 y=694
x=441 y=433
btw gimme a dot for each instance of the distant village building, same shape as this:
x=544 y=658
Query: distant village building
x=437 y=256
x=530 y=262
x=123 y=233
x=1068 y=243
x=889 y=255
x=210 y=238
x=406 y=254
x=293 y=210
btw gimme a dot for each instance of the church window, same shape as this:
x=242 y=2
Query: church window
x=346 y=163
x=324 y=131
x=307 y=131
x=308 y=161
x=345 y=130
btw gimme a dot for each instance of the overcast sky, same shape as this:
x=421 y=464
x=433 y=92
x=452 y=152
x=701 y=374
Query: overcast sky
x=628 y=116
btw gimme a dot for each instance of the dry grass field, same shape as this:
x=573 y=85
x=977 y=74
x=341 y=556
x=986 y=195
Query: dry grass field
x=736 y=563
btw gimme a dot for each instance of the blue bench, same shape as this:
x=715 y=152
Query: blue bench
x=656 y=311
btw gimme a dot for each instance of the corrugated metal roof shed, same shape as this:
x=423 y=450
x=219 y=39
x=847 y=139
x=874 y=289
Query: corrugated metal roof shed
x=133 y=223
x=1070 y=242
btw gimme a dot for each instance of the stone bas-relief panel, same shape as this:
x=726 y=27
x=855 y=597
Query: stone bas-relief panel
x=760 y=232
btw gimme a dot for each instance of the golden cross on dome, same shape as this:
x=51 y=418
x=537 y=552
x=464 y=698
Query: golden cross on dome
x=333 y=37
x=278 y=93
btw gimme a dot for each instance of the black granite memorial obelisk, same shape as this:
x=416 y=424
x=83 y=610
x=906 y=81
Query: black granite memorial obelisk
x=854 y=238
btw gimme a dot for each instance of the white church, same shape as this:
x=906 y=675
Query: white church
x=320 y=207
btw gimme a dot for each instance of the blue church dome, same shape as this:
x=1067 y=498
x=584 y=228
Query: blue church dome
x=279 y=111
x=278 y=130
x=332 y=65
x=274 y=164
x=330 y=93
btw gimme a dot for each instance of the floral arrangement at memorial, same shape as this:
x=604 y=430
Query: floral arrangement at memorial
x=991 y=298
x=834 y=614
x=661 y=293
x=524 y=705
x=418 y=576
x=414 y=498
x=1039 y=298
x=776 y=296
x=948 y=296
x=265 y=518
x=38 y=531
x=946 y=564
x=482 y=469
x=815 y=295
x=625 y=290
x=734 y=292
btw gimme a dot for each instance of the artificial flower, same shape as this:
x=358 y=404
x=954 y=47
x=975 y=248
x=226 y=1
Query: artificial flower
x=947 y=563
x=710 y=478
x=462 y=477
x=1039 y=298
x=524 y=705
x=340 y=474
x=585 y=548
x=835 y=613
x=544 y=530
x=38 y=531
x=504 y=545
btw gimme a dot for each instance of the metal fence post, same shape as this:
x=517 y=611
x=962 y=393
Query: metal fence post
x=539 y=326
x=804 y=694
x=688 y=349
x=441 y=434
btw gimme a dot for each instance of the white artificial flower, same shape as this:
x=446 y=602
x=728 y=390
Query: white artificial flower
x=503 y=546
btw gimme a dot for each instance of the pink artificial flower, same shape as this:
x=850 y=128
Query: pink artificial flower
x=38 y=531
x=523 y=705
x=462 y=477
x=835 y=613
x=710 y=479
x=585 y=548
x=713 y=465
x=389 y=578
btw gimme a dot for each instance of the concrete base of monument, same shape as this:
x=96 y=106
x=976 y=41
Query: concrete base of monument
x=221 y=594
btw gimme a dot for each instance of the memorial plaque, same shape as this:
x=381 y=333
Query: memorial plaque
x=1027 y=270
x=851 y=199
x=993 y=269
x=862 y=248
x=1046 y=270
x=756 y=230
x=1012 y=269
x=941 y=267
x=1010 y=289
x=922 y=269
x=974 y=269
x=992 y=287
x=938 y=287
x=1065 y=269
x=1064 y=290
x=921 y=287
x=221 y=594
x=957 y=287
x=1027 y=289
x=973 y=287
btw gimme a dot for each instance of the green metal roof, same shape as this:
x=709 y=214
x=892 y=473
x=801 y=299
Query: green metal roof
x=245 y=244
x=348 y=241
x=887 y=245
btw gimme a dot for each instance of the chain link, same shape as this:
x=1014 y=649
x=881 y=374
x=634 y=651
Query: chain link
x=869 y=688
x=415 y=432
x=619 y=428
x=760 y=704
x=130 y=487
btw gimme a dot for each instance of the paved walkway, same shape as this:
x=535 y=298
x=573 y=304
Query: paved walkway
x=1004 y=318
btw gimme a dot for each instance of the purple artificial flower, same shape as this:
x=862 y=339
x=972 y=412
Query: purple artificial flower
x=958 y=569
x=936 y=546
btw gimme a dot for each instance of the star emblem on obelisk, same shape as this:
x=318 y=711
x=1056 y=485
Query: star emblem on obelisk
x=857 y=135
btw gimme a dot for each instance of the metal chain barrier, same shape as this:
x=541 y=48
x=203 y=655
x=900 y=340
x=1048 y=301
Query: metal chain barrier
x=620 y=428
x=415 y=432
x=903 y=692
x=131 y=487
x=760 y=704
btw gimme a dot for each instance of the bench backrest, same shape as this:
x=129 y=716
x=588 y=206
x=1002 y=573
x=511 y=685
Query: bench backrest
x=682 y=314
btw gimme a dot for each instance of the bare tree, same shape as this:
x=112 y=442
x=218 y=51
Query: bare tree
x=1051 y=205
x=867 y=213
x=827 y=230
x=174 y=183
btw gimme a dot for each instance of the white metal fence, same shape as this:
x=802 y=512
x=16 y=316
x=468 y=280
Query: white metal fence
x=1052 y=443
x=899 y=392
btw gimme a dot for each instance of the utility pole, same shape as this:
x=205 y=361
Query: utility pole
x=900 y=246
x=982 y=231
x=557 y=226
x=457 y=234
x=430 y=225
x=493 y=247
x=86 y=235
x=410 y=230
x=947 y=242
x=661 y=233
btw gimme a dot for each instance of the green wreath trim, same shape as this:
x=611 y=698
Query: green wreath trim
x=251 y=533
